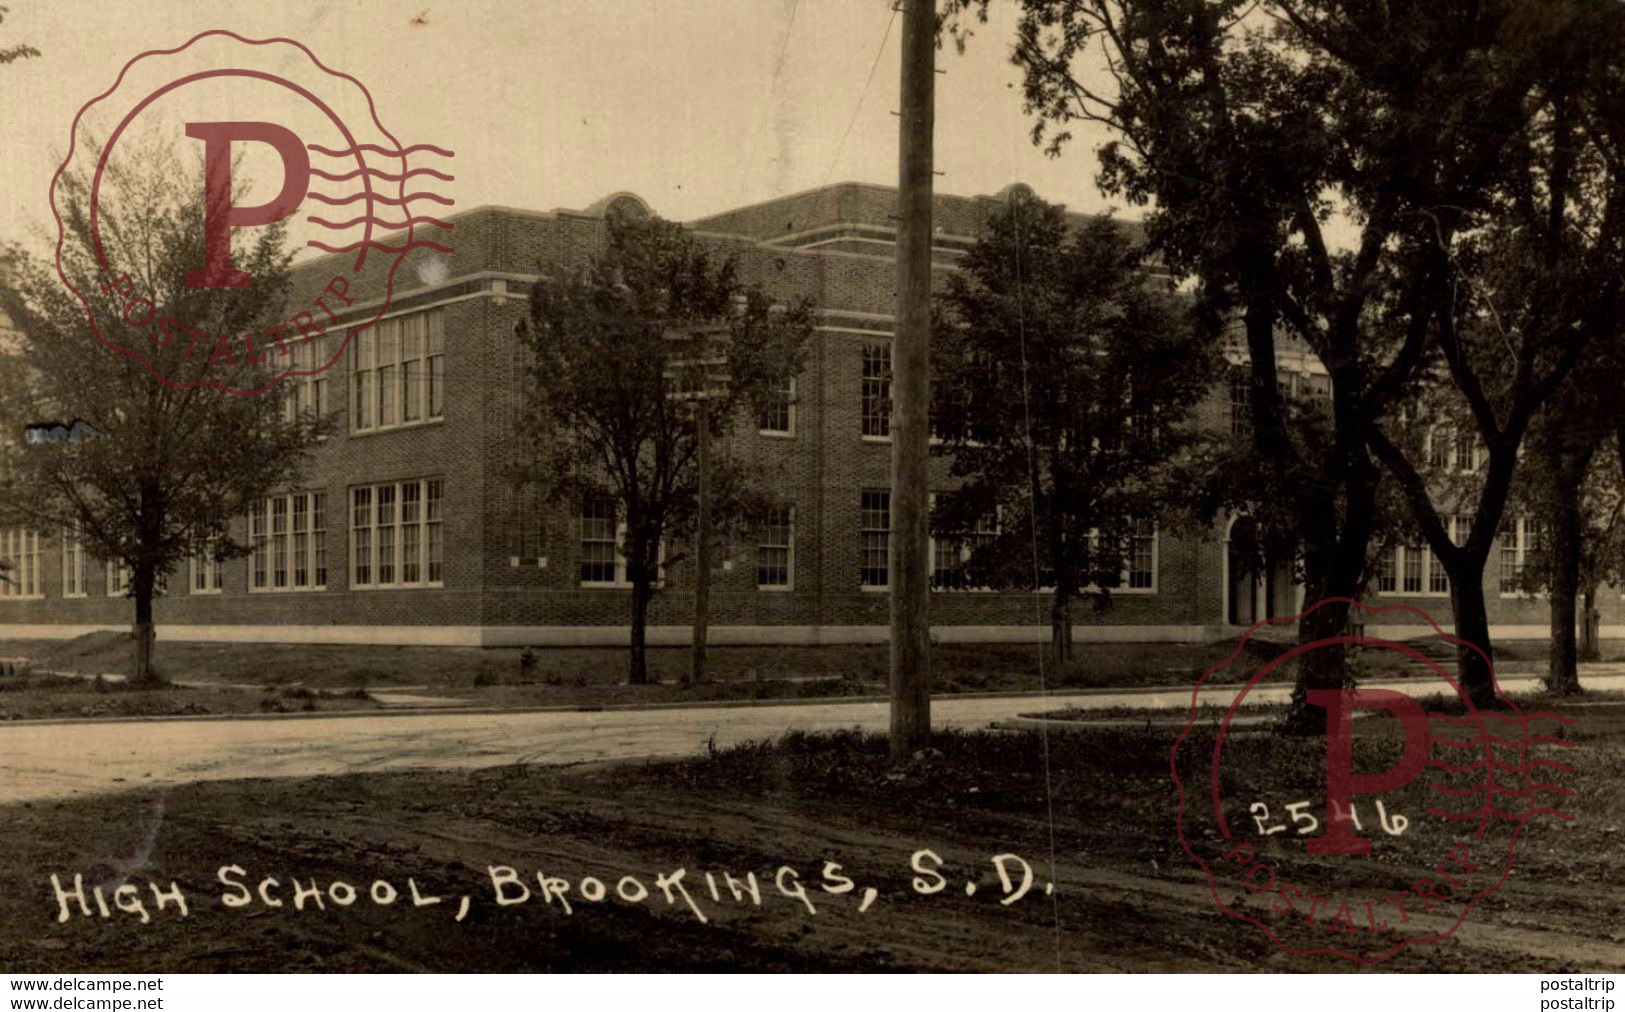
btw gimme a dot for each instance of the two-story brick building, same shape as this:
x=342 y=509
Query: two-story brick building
x=408 y=529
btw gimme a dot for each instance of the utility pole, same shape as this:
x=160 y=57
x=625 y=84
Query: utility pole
x=699 y=375
x=911 y=389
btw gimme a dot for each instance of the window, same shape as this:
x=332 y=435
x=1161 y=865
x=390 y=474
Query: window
x=1387 y=574
x=287 y=536
x=1439 y=441
x=603 y=535
x=877 y=390
x=399 y=366
x=1413 y=568
x=1241 y=402
x=950 y=554
x=22 y=577
x=1139 y=573
x=778 y=414
x=395 y=534
x=874 y=539
x=1141 y=562
x=1466 y=452
x=598 y=540
x=775 y=549
x=307 y=394
x=206 y=567
x=1515 y=537
x=73 y=562
x=118 y=578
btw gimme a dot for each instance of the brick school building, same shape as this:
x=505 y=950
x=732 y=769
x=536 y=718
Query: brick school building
x=407 y=528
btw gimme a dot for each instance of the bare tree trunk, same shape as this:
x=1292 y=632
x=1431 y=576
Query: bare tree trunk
x=637 y=671
x=144 y=584
x=1060 y=626
x=1590 y=648
x=1563 y=673
x=1473 y=667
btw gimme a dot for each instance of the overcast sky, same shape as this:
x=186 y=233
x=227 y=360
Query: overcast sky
x=695 y=105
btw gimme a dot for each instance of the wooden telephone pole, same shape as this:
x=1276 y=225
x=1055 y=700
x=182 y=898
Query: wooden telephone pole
x=698 y=372
x=910 y=563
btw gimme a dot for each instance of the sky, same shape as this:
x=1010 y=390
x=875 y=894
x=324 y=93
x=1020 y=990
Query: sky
x=695 y=105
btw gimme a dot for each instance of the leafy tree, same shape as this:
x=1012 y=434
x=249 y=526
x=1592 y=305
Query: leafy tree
x=600 y=411
x=172 y=462
x=1571 y=486
x=16 y=51
x=1537 y=279
x=1260 y=132
x=1064 y=383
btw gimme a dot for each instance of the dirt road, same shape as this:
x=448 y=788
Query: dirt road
x=55 y=760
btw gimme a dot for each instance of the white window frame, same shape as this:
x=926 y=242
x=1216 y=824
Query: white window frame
x=620 y=582
x=73 y=562
x=964 y=554
x=886 y=533
x=1127 y=572
x=789 y=431
x=789 y=547
x=885 y=383
x=427 y=382
x=1458 y=525
x=306 y=395
x=315 y=547
x=429 y=525
x=118 y=577
x=203 y=563
x=25 y=580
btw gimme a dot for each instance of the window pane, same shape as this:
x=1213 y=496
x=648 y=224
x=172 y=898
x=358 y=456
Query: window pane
x=386 y=534
x=874 y=543
x=876 y=390
x=411 y=517
x=432 y=511
x=361 y=535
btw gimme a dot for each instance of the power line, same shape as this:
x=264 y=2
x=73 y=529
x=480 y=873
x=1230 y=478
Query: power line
x=862 y=96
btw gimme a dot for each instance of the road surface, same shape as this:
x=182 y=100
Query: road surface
x=41 y=761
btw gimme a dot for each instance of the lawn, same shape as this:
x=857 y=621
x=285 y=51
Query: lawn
x=1091 y=811
x=222 y=678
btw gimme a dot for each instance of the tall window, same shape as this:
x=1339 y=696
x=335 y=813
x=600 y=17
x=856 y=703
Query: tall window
x=778 y=417
x=1440 y=440
x=603 y=541
x=118 y=578
x=206 y=577
x=307 y=394
x=1413 y=568
x=1142 y=556
x=598 y=540
x=877 y=390
x=73 y=562
x=395 y=534
x=288 y=537
x=1241 y=401
x=874 y=539
x=1515 y=537
x=400 y=371
x=1387 y=574
x=21 y=550
x=949 y=554
x=775 y=548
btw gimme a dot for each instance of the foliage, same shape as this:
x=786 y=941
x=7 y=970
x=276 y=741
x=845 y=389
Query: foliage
x=600 y=415
x=1065 y=379
x=172 y=462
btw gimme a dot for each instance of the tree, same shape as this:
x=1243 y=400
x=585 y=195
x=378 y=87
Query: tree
x=1571 y=486
x=1537 y=279
x=599 y=411
x=16 y=51
x=1260 y=131
x=1064 y=382
x=171 y=462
